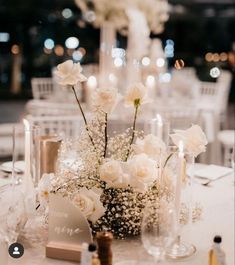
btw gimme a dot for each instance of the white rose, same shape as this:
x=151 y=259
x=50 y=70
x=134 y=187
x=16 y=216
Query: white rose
x=136 y=95
x=151 y=145
x=106 y=99
x=44 y=188
x=69 y=73
x=193 y=138
x=89 y=203
x=112 y=173
x=142 y=172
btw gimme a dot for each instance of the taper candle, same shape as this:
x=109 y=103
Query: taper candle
x=179 y=178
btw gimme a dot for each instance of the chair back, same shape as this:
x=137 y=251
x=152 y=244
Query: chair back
x=215 y=95
x=42 y=88
x=68 y=127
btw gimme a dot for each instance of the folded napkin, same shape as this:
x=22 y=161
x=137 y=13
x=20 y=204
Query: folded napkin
x=213 y=172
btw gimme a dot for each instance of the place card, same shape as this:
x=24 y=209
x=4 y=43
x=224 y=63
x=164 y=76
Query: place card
x=68 y=229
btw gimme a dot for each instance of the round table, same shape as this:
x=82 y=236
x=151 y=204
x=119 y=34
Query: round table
x=217 y=200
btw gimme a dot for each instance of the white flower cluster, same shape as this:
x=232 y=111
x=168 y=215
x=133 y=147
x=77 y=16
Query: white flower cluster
x=116 y=176
x=155 y=11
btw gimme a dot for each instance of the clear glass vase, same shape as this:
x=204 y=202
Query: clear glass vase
x=107 y=43
x=179 y=165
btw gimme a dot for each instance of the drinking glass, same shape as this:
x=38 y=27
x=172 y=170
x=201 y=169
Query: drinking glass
x=158 y=228
x=25 y=163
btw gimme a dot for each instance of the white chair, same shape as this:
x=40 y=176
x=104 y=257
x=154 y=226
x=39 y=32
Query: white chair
x=6 y=143
x=42 y=88
x=186 y=72
x=226 y=138
x=65 y=126
x=179 y=117
x=214 y=95
x=184 y=83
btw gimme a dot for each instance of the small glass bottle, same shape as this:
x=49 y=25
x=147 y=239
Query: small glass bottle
x=87 y=253
x=216 y=254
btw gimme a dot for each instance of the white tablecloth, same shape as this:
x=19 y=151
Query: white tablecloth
x=218 y=218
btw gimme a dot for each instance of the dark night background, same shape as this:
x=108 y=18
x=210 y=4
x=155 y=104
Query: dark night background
x=196 y=26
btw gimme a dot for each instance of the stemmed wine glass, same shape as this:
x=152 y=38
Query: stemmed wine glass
x=158 y=228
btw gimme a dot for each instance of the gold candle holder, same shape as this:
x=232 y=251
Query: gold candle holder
x=49 y=146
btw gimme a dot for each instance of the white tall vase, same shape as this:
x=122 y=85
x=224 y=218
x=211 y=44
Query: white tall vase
x=138 y=44
x=107 y=43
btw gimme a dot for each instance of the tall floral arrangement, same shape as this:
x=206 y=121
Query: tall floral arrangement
x=115 y=176
x=155 y=11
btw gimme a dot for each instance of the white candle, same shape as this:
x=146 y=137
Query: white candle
x=91 y=87
x=27 y=152
x=113 y=80
x=150 y=84
x=150 y=81
x=27 y=182
x=159 y=126
x=92 y=82
x=179 y=178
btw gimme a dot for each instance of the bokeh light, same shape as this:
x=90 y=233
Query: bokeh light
x=160 y=62
x=72 y=43
x=223 y=56
x=118 y=62
x=15 y=49
x=67 y=13
x=91 y=81
x=77 y=56
x=179 y=64
x=90 y=16
x=59 y=50
x=216 y=57
x=47 y=51
x=146 y=61
x=49 y=44
x=215 y=72
x=165 y=77
x=150 y=81
x=82 y=50
x=209 y=57
x=118 y=52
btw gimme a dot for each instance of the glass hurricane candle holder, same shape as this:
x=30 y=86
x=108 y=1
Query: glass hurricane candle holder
x=178 y=168
x=25 y=163
x=159 y=127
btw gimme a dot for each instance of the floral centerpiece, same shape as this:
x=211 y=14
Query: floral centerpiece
x=155 y=11
x=116 y=176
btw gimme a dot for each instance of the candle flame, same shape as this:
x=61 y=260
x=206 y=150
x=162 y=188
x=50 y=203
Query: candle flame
x=150 y=81
x=159 y=119
x=181 y=146
x=26 y=124
x=92 y=81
